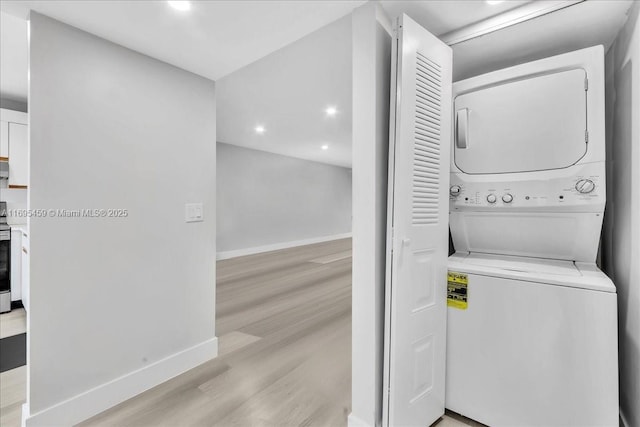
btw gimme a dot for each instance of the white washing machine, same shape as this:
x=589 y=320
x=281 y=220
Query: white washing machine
x=536 y=344
x=532 y=322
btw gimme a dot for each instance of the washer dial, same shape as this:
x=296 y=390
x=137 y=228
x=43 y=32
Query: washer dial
x=585 y=186
x=455 y=190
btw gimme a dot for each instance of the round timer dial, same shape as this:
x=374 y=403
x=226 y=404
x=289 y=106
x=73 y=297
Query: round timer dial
x=585 y=186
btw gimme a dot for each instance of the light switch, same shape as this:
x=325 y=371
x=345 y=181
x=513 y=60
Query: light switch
x=193 y=212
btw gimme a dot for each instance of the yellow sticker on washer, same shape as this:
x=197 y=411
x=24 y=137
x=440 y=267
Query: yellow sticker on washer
x=457 y=290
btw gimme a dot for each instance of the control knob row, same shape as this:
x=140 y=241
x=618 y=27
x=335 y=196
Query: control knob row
x=507 y=198
x=583 y=186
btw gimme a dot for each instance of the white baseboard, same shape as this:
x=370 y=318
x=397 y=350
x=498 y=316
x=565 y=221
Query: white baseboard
x=25 y=414
x=278 y=246
x=353 y=421
x=105 y=396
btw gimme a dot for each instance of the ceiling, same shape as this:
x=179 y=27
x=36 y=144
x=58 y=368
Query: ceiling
x=279 y=64
x=287 y=92
x=213 y=39
x=239 y=32
x=585 y=24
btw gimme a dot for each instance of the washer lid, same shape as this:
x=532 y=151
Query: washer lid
x=524 y=265
x=532 y=124
x=537 y=270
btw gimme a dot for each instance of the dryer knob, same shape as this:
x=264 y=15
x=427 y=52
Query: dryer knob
x=455 y=190
x=491 y=198
x=585 y=186
x=507 y=198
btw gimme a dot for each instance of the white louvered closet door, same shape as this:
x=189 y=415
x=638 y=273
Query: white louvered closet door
x=420 y=144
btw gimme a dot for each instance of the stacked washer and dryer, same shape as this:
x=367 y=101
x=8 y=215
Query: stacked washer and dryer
x=532 y=321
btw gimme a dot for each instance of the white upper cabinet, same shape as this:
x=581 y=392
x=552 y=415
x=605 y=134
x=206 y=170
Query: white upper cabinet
x=538 y=123
x=18 y=155
x=4 y=140
x=15 y=146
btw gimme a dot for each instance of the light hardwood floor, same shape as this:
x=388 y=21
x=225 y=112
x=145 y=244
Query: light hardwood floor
x=284 y=325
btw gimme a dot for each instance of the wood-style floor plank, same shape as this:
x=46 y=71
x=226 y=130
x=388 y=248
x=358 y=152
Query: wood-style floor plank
x=13 y=391
x=333 y=257
x=13 y=323
x=228 y=343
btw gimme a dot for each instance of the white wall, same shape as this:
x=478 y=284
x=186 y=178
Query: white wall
x=265 y=199
x=117 y=304
x=371 y=76
x=621 y=255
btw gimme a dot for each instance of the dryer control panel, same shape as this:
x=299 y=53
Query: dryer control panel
x=531 y=192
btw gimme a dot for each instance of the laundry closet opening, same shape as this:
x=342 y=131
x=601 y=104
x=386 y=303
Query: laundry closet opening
x=516 y=136
x=535 y=217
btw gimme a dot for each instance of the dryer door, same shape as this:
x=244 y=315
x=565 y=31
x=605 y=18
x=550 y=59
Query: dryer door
x=539 y=123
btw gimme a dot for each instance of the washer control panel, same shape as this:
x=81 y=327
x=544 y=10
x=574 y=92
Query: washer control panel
x=572 y=193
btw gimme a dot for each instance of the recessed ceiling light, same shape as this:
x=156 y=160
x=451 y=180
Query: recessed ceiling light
x=182 y=6
x=260 y=129
x=494 y=2
x=325 y=147
x=331 y=111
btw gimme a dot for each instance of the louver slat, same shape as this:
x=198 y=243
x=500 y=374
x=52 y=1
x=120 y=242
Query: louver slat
x=426 y=160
